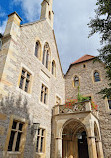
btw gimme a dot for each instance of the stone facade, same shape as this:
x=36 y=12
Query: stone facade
x=18 y=53
x=90 y=88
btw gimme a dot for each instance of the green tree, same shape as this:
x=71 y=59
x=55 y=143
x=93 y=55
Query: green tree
x=102 y=24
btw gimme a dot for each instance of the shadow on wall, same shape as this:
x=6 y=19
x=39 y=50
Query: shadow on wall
x=17 y=106
x=52 y=144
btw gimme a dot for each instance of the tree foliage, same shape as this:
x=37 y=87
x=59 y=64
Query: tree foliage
x=102 y=24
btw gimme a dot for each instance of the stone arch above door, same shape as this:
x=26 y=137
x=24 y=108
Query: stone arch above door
x=72 y=137
x=86 y=120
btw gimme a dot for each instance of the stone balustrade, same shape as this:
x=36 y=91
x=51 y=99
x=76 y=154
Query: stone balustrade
x=74 y=108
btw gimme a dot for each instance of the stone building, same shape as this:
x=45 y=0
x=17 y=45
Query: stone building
x=35 y=120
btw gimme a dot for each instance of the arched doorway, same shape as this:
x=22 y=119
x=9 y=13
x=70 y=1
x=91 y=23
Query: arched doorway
x=74 y=140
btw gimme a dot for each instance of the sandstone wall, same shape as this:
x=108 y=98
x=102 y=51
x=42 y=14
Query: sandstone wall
x=21 y=54
x=90 y=88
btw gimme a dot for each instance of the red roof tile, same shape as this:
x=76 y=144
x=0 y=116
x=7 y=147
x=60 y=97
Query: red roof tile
x=83 y=58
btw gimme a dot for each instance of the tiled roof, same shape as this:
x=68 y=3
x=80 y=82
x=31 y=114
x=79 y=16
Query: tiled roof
x=83 y=58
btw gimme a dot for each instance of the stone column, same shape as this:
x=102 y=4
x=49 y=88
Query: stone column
x=58 y=148
x=99 y=149
x=91 y=139
x=92 y=147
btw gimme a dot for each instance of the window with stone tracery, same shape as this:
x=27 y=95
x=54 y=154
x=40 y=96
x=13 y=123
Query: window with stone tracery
x=46 y=56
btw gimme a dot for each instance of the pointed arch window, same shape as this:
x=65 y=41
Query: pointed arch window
x=96 y=76
x=76 y=81
x=53 y=68
x=38 y=49
x=46 y=56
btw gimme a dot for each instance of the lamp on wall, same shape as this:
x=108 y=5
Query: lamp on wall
x=79 y=135
x=35 y=127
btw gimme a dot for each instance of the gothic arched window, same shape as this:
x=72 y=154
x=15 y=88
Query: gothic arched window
x=96 y=76
x=46 y=55
x=76 y=81
x=53 y=68
x=37 y=49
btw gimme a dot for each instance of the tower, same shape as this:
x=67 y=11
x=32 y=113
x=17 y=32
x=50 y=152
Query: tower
x=47 y=12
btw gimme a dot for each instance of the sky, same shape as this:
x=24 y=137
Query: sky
x=70 y=25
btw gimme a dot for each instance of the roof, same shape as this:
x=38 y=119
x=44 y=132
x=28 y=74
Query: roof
x=16 y=14
x=83 y=58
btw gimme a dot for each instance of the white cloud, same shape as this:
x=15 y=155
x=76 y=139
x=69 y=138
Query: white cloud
x=71 y=19
x=2 y=26
x=31 y=8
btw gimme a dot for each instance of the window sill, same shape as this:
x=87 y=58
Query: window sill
x=40 y=153
x=97 y=82
x=45 y=105
x=13 y=153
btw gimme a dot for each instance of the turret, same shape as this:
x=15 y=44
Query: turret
x=47 y=12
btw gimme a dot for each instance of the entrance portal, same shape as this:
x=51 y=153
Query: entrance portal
x=74 y=141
